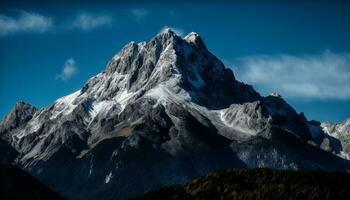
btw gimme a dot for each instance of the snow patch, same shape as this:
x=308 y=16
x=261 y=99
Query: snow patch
x=91 y=165
x=239 y=121
x=34 y=125
x=343 y=155
x=166 y=92
x=65 y=105
x=191 y=37
x=101 y=107
x=123 y=97
x=275 y=94
x=108 y=177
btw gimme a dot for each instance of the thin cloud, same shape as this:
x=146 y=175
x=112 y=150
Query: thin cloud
x=86 y=21
x=69 y=69
x=139 y=13
x=177 y=30
x=24 y=22
x=323 y=76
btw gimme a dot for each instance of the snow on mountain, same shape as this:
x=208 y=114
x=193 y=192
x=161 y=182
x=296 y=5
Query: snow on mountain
x=340 y=131
x=162 y=113
x=248 y=118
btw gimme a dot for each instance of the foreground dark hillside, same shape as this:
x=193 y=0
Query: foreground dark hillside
x=17 y=184
x=260 y=184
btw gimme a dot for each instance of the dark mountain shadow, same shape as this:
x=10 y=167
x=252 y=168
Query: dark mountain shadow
x=17 y=184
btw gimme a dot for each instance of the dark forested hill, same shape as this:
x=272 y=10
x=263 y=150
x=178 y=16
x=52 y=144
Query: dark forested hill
x=260 y=184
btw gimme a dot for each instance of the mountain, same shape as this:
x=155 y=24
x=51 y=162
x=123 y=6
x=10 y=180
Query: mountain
x=163 y=112
x=341 y=131
x=259 y=184
x=16 y=184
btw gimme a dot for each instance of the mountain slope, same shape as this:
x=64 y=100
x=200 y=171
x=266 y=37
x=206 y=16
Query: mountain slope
x=16 y=184
x=259 y=184
x=341 y=131
x=162 y=113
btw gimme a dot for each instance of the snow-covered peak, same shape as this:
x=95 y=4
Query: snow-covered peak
x=167 y=69
x=160 y=69
x=338 y=128
x=191 y=37
x=195 y=39
x=167 y=34
x=344 y=127
x=167 y=31
x=275 y=94
x=340 y=131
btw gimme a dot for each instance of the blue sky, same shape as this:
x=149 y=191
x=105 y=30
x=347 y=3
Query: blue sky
x=300 y=50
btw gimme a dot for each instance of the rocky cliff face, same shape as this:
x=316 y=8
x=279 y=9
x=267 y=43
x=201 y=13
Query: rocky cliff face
x=340 y=131
x=19 y=115
x=163 y=112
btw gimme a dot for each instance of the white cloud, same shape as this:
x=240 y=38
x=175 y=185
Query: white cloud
x=139 y=13
x=25 y=22
x=86 y=21
x=323 y=76
x=178 y=31
x=69 y=69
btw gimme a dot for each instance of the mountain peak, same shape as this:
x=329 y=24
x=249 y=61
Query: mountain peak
x=22 y=106
x=192 y=37
x=168 y=59
x=21 y=113
x=275 y=94
x=21 y=103
x=170 y=32
x=167 y=34
x=167 y=31
x=195 y=39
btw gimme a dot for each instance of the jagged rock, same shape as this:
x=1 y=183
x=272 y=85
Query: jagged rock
x=340 y=131
x=19 y=115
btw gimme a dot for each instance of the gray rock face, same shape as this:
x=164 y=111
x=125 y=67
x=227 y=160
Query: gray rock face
x=20 y=114
x=340 y=131
x=162 y=113
x=252 y=118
